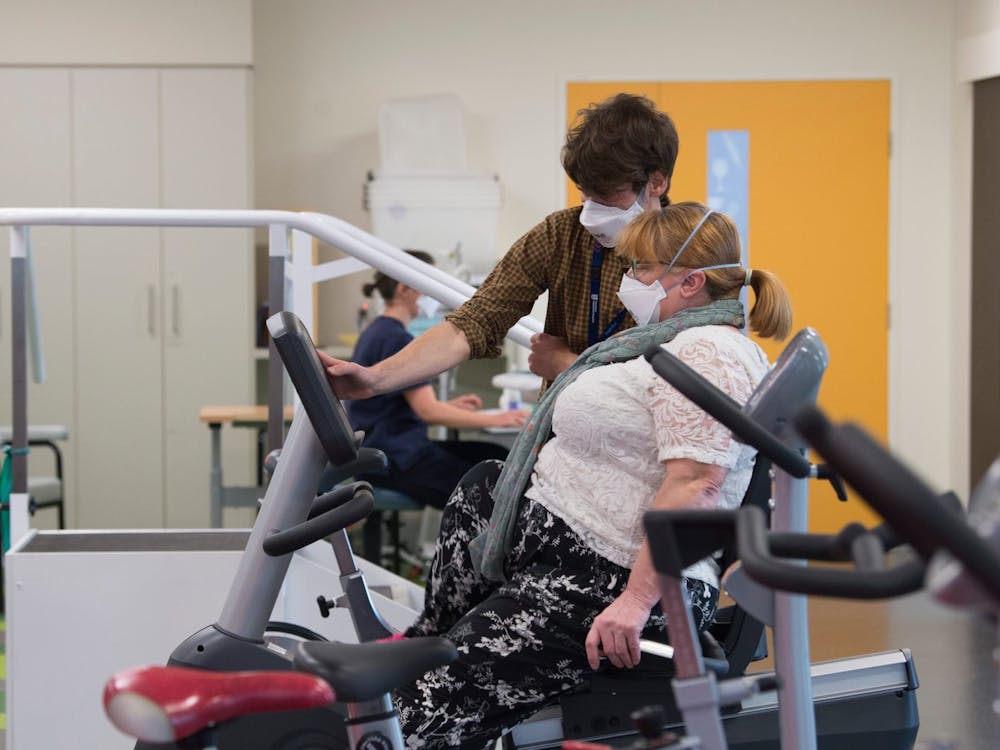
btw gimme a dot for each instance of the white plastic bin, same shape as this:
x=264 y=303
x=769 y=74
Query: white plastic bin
x=437 y=213
x=82 y=605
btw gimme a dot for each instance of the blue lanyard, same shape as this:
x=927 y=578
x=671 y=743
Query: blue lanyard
x=595 y=300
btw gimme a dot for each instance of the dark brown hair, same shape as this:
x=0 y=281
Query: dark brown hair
x=386 y=285
x=622 y=140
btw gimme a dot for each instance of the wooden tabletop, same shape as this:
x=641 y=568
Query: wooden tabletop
x=247 y=413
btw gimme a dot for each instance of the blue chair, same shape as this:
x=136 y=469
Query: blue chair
x=391 y=502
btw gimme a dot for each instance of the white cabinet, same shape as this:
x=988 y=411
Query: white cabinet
x=152 y=323
x=118 y=336
x=208 y=282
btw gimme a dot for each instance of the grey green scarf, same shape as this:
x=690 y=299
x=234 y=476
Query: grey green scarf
x=489 y=548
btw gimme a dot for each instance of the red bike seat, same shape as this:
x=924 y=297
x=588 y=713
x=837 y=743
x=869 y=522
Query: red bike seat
x=165 y=704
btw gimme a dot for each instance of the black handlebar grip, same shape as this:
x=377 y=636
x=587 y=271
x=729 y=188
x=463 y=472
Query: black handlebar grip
x=752 y=541
x=370 y=461
x=283 y=542
x=336 y=497
x=727 y=411
x=913 y=509
x=825 y=472
x=867 y=552
x=767 y=683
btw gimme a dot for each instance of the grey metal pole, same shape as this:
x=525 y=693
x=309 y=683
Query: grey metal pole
x=215 y=477
x=796 y=713
x=19 y=237
x=277 y=253
x=286 y=503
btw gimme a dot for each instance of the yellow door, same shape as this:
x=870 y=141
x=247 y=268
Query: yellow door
x=818 y=199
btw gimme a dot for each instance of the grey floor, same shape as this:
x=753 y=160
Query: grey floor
x=953 y=653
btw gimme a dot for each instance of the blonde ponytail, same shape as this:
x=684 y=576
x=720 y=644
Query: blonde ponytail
x=771 y=314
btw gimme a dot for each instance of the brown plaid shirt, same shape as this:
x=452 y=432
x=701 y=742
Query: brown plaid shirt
x=555 y=255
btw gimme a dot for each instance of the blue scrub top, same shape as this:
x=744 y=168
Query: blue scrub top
x=388 y=421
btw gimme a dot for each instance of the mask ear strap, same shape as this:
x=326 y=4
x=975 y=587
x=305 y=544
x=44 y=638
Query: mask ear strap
x=686 y=242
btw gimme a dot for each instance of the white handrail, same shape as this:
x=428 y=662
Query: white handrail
x=376 y=253
x=379 y=254
x=381 y=246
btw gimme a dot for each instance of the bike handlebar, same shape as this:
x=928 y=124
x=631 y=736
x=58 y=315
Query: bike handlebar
x=336 y=497
x=913 y=509
x=868 y=579
x=302 y=535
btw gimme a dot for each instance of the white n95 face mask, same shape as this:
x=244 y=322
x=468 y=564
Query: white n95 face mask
x=427 y=307
x=605 y=223
x=641 y=300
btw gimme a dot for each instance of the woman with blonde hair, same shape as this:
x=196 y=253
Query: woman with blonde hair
x=542 y=567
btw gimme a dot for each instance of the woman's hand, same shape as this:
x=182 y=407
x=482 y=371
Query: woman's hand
x=616 y=630
x=468 y=401
x=348 y=379
x=507 y=418
x=550 y=355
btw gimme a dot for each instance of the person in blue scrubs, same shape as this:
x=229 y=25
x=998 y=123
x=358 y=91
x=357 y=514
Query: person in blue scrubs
x=396 y=422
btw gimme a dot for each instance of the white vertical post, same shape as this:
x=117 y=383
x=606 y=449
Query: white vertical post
x=18 y=517
x=302 y=280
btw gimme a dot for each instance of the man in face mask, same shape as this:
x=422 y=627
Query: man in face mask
x=621 y=156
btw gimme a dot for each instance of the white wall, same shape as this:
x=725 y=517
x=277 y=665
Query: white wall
x=323 y=68
x=125 y=32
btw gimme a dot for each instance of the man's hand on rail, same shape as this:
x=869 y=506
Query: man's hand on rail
x=549 y=356
x=348 y=379
x=615 y=632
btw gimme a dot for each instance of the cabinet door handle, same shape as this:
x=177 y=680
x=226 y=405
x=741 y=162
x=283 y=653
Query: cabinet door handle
x=175 y=312
x=151 y=309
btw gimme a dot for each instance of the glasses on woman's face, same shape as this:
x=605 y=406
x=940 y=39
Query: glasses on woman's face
x=638 y=268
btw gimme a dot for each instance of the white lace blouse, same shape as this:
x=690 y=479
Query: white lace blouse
x=616 y=425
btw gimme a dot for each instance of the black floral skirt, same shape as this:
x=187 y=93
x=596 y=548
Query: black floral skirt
x=521 y=642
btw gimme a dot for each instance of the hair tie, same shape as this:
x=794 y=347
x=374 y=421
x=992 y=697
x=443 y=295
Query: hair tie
x=746 y=282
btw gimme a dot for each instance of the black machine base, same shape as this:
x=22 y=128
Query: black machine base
x=876 y=711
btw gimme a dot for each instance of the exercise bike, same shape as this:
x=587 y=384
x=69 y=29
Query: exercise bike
x=291 y=518
x=677 y=538
x=956 y=557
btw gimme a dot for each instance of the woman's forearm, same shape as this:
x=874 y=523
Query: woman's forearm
x=688 y=484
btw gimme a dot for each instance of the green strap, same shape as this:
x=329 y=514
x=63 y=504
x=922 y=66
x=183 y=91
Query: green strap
x=6 y=482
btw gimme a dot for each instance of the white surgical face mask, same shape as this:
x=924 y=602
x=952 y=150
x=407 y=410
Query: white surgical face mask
x=605 y=223
x=427 y=307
